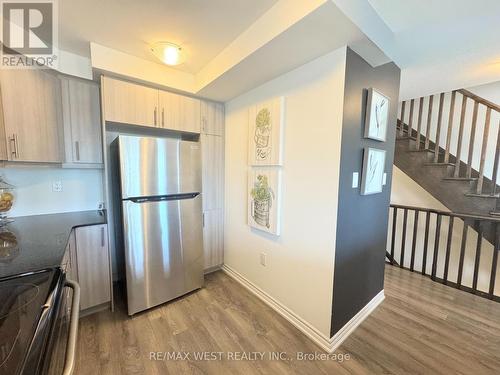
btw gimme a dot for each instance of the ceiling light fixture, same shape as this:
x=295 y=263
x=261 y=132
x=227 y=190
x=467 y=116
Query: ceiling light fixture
x=168 y=53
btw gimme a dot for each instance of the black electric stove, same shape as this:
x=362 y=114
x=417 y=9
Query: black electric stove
x=29 y=305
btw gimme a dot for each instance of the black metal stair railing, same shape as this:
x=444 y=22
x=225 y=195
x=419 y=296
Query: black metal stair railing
x=450 y=248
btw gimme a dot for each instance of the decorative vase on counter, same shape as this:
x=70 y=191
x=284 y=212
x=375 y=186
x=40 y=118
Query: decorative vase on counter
x=6 y=201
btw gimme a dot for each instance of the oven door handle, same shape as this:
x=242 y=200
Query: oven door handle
x=69 y=361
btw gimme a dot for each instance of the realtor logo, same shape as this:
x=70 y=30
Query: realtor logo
x=29 y=34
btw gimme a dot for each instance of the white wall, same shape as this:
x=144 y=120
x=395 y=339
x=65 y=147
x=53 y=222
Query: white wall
x=406 y=191
x=300 y=266
x=82 y=190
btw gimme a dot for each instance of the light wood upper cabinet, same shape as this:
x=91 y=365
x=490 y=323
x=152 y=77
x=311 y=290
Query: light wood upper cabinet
x=129 y=103
x=212 y=118
x=179 y=112
x=31 y=102
x=93 y=265
x=82 y=121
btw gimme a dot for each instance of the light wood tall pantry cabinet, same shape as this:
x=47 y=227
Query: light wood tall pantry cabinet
x=213 y=199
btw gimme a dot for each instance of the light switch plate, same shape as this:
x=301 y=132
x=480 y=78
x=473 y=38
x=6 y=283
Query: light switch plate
x=355 y=180
x=263 y=259
x=57 y=186
x=384 y=179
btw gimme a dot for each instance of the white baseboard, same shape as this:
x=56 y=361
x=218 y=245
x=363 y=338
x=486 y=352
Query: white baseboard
x=208 y=270
x=326 y=343
x=356 y=320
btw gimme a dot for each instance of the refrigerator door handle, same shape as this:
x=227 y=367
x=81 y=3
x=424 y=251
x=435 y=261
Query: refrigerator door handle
x=173 y=197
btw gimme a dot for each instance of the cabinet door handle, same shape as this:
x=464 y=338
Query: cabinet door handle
x=203 y=220
x=12 y=141
x=17 y=145
x=163 y=117
x=77 y=150
x=155 y=116
x=102 y=236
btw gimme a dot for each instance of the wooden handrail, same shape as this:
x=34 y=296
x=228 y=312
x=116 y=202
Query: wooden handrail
x=478 y=99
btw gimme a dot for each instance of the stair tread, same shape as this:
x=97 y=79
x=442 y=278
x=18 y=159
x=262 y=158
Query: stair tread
x=425 y=149
x=439 y=164
x=482 y=195
x=460 y=178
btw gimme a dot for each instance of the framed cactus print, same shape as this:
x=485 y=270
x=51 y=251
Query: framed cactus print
x=265 y=132
x=377 y=115
x=264 y=193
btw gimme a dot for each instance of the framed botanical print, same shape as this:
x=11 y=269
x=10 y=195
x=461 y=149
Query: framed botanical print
x=372 y=179
x=377 y=115
x=265 y=132
x=264 y=194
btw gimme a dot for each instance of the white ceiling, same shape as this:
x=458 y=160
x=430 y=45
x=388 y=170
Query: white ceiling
x=435 y=30
x=202 y=27
x=410 y=14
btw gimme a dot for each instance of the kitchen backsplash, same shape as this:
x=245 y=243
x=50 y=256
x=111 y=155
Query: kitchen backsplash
x=37 y=192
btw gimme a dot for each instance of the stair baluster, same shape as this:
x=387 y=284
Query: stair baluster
x=495 y=164
x=462 y=254
x=456 y=173
x=419 y=122
x=429 y=119
x=450 y=127
x=477 y=259
x=472 y=139
x=494 y=261
x=401 y=129
x=448 y=249
x=414 y=239
x=479 y=186
x=410 y=121
x=438 y=128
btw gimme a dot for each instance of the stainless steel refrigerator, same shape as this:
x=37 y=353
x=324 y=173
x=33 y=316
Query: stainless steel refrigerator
x=160 y=183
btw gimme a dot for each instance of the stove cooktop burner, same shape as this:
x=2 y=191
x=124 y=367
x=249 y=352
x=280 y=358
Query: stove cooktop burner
x=22 y=299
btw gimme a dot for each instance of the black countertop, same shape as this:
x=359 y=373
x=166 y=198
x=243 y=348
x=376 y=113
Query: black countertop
x=41 y=240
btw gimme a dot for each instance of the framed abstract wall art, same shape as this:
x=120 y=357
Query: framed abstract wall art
x=373 y=171
x=265 y=132
x=264 y=195
x=377 y=115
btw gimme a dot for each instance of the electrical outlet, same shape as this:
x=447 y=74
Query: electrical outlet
x=263 y=259
x=57 y=186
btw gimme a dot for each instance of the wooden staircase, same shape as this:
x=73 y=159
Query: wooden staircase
x=428 y=142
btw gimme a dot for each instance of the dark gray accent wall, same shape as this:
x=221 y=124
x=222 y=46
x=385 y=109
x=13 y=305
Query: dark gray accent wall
x=361 y=220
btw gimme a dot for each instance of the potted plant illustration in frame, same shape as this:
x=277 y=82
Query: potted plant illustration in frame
x=265 y=132
x=377 y=115
x=262 y=134
x=263 y=209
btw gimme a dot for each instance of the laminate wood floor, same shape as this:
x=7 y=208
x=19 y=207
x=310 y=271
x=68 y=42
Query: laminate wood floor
x=422 y=327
